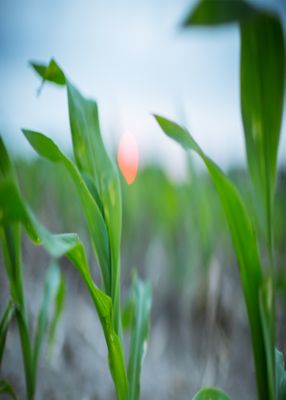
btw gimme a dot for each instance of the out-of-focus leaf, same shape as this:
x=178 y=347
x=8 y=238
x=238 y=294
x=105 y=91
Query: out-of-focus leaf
x=12 y=208
x=58 y=308
x=262 y=70
x=266 y=302
x=70 y=246
x=51 y=286
x=245 y=245
x=96 y=224
x=139 y=334
x=4 y=325
x=280 y=376
x=11 y=245
x=6 y=388
x=213 y=12
x=51 y=72
x=127 y=313
x=6 y=168
x=211 y=394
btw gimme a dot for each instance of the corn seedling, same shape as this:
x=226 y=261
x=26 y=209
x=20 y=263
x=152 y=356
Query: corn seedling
x=97 y=182
x=13 y=212
x=262 y=89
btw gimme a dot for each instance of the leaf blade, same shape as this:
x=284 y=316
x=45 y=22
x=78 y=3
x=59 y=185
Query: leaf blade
x=69 y=245
x=214 y=12
x=244 y=242
x=139 y=334
x=4 y=325
x=262 y=72
x=96 y=224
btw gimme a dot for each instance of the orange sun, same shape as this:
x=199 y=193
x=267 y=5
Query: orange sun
x=128 y=157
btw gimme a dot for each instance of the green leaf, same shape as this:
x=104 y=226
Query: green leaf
x=266 y=303
x=51 y=72
x=210 y=394
x=280 y=376
x=96 y=224
x=245 y=245
x=12 y=209
x=139 y=334
x=6 y=168
x=92 y=159
x=4 y=325
x=262 y=70
x=6 y=388
x=11 y=244
x=213 y=12
x=127 y=313
x=93 y=162
x=70 y=246
x=58 y=308
x=51 y=286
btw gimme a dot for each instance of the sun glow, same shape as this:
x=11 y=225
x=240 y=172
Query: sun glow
x=128 y=157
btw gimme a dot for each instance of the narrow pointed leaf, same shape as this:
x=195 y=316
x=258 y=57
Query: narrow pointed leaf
x=6 y=168
x=139 y=334
x=51 y=72
x=96 y=224
x=4 y=325
x=58 y=308
x=262 y=70
x=244 y=242
x=51 y=285
x=92 y=159
x=11 y=244
x=266 y=303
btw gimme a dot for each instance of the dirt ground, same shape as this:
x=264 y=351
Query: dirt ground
x=198 y=338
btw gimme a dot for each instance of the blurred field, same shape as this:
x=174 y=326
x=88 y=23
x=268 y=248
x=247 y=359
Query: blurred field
x=175 y=234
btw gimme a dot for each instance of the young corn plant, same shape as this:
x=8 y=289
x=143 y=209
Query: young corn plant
x=53 y=288
x=97 y=182
x=262 y=67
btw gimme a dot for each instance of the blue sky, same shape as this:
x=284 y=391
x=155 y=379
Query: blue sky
x=134 y=60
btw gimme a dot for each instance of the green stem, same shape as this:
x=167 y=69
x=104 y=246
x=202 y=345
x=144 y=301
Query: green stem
x=13 y=263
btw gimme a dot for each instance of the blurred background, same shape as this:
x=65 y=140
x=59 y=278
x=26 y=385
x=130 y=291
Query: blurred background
x=135 y=59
